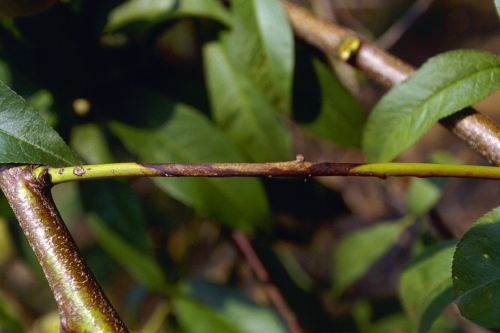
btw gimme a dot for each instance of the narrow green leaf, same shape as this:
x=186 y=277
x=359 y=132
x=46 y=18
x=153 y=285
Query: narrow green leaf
x=141 y=265
x=356 y=253
x=188 y=137
x=497 y=6
x=476 y=271
x=445 y=84
x=341 y=118
x=154 y=11
x=241 y=110
x=26 y=138
x=261 y=46
x=426 y=287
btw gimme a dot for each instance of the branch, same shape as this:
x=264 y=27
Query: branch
x=262 y=275
x=297 y=168
x=82 y=305
x=481 y=133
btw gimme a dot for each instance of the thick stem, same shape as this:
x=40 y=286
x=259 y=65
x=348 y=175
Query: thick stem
x=481 y=133
x=82 y=305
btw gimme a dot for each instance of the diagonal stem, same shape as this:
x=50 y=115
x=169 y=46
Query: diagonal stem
x=480 y=132
x=82 y=305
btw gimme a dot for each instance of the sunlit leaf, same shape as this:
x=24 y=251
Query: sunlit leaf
x=341 y=118
x=188 y=137
x=357 y=252
x=476 y=271
x=445 y=84
x=242 y=111
x=26 y=138
x=154 y=11
x=426 y=286
x=261 y=46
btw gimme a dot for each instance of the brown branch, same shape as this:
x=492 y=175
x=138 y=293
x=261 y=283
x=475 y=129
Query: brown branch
x=481 y=133
x=262 y=275
x=82 y=305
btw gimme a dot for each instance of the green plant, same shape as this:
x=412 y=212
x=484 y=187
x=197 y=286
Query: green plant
x=129 y=87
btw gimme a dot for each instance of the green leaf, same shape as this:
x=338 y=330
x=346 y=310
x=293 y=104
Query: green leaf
x=141 y=265
x=363 y=313
x=232 y=303
x=194 y=316
x=426 y=286
x=90 y=143
x=445 y=84
x=261 y=46
x=26 y=138
x=241 y=110
x=341 y=118
x=152 y=12
x=356 y=253
x=188 y=137
x=422 y=196
x=476 y=271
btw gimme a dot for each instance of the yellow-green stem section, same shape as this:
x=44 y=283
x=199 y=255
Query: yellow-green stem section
x=384 y=170
x=97 y=171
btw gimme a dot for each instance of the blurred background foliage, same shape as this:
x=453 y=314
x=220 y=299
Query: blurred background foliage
x=198 y=81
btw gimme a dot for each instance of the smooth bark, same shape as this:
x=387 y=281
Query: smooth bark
x=82 y=305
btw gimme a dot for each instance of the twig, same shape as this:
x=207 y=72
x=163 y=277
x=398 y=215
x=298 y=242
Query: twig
x=262 y=275
x=481 y=133
x=296 y=168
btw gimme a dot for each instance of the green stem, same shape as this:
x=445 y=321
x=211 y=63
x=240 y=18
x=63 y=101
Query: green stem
x=82 y=305
x=297 y=168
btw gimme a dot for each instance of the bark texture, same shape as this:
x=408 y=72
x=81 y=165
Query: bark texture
x=82 y=305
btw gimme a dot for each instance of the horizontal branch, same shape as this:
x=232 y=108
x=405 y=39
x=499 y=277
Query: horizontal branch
x=481 y=133
x=297 y=168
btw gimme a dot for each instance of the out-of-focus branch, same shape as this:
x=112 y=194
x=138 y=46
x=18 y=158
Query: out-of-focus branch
x=481 y=133
x=261 y=273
